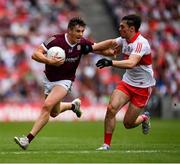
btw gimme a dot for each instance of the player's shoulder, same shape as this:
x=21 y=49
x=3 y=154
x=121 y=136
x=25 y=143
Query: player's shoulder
x=53 y=38
x=120 y=40
x=141 y=44
x=85 y=41
x=142 y=39
x=59 y=36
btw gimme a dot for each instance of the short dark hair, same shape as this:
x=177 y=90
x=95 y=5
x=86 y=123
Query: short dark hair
x=76 y=21
x=133 y=20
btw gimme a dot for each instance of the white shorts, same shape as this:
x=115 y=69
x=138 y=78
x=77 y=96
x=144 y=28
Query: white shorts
x=67 y=84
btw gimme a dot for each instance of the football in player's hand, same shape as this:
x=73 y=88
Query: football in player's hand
x=56 y=52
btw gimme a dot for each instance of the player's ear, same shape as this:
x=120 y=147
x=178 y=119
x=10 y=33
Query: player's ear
x=132 y=28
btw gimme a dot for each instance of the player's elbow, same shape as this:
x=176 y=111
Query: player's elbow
x=33 y=56
x=131 y=64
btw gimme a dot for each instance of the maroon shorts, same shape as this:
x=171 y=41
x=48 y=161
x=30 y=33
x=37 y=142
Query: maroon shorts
x=138 y=96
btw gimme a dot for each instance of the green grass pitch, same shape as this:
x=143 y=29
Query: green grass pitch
x=75 y=142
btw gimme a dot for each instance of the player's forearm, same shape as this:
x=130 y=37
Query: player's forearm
x=127 y=64
x=39 y=57
x=104 y=45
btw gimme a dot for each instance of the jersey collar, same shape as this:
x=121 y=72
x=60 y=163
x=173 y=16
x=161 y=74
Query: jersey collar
x=71 y=45
x=134 y=37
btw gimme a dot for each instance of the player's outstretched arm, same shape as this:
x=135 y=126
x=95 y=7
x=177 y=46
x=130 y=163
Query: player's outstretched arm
x=107 y=48
x=111 y=52
x=127 y=64
x=110 y=43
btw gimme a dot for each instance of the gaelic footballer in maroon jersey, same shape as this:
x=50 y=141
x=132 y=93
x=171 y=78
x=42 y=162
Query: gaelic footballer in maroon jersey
x=74 y=52
x=60 y=74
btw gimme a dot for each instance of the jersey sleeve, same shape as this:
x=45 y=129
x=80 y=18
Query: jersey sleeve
x=119 y=41
x=141 y=48
x=86 y=46
x=50 y=42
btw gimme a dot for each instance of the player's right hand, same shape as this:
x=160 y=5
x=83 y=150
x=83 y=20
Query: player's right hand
x=103 y=63
x=56 y=61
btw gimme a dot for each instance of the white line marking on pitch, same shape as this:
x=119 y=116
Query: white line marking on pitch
x=88 y=152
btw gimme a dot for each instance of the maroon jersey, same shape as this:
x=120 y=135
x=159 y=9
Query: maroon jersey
x=67 y=70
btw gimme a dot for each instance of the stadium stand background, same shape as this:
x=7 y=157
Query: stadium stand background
x=25 y=24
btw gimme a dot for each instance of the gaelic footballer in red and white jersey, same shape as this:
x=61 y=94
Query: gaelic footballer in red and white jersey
x=142 y=74
x=74 y=52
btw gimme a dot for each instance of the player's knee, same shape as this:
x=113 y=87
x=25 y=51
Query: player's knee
x=47 y=106
x=111 y=112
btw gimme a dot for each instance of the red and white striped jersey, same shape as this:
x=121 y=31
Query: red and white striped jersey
x=142 y=74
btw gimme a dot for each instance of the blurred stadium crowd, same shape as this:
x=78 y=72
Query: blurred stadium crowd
x=26 y=24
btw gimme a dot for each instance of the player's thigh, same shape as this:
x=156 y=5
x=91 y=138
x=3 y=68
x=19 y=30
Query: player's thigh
x=132 y=113
x=57 y=93
x=117 y=100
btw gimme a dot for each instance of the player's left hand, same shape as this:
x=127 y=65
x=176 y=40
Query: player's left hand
x=104 y=63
